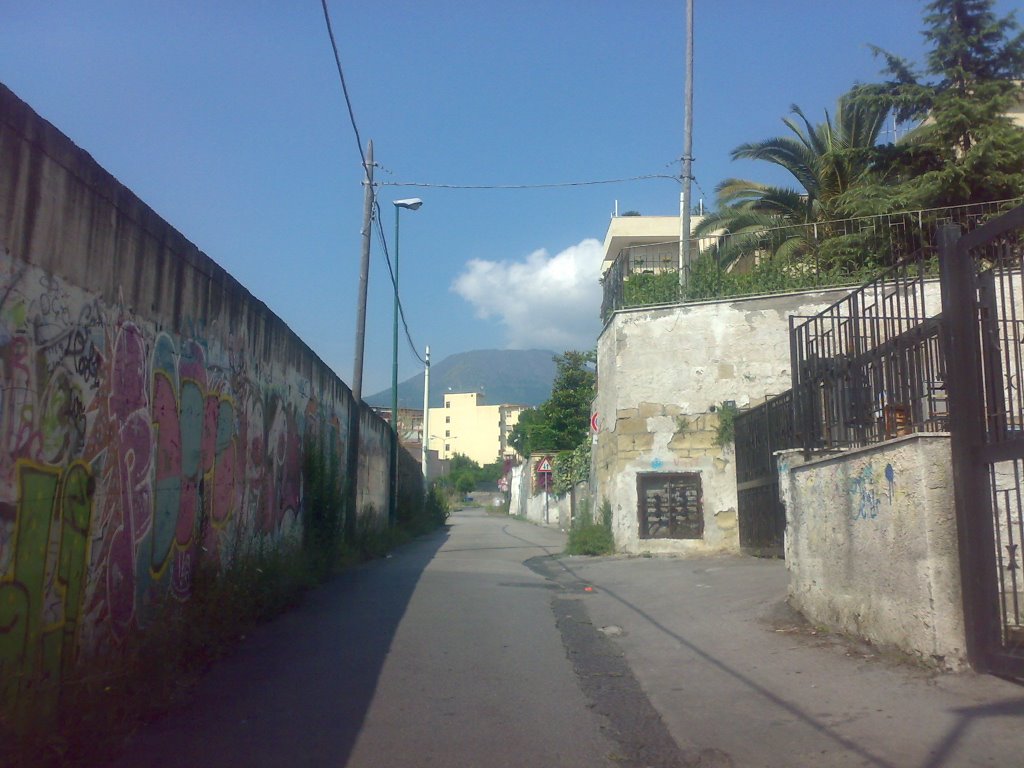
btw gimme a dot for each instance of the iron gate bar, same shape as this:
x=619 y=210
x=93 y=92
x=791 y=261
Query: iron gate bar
x=981 y=331
x=759 y=432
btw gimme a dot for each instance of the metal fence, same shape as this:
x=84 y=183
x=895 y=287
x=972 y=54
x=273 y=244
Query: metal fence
x=870 y=366
x=830 y=254
x=759 y=432
x=983 y=287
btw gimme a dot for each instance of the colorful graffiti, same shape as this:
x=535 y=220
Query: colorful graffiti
x=128 y=455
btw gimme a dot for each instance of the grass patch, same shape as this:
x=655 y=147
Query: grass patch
x=588 y=536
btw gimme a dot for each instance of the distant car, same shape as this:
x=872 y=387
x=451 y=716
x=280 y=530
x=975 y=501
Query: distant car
x=467 y=499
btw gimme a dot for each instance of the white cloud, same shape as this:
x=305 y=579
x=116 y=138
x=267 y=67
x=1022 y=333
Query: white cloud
x=543 y=301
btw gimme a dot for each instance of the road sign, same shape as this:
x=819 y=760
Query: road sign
x=593 y=422
x=545 y=464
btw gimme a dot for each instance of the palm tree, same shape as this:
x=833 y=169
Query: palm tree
x=826 y=160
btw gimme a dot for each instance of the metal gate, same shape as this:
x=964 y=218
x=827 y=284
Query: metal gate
x=983 y=312
x=760 y=432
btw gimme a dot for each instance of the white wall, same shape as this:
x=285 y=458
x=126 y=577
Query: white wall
x=660 y=372
x=871 y=545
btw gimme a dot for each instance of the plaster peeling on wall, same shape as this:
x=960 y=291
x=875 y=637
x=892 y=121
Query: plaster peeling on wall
x=662 y=429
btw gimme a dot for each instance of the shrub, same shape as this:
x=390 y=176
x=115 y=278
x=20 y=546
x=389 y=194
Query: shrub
x=588 y=536
x=726 y=431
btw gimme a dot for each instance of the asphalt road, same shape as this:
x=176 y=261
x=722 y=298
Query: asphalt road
x=453 y=652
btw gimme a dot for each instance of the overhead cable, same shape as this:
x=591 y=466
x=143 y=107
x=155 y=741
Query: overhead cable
x=344 y=87
x=430 y=185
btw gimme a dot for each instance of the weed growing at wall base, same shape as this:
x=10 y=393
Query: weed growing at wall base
x=84 y=722
x=591 y=537
x=91 y=715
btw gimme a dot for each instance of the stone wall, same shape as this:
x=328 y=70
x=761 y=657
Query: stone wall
x=663 y=375
x=871 y=545
x=153 y=413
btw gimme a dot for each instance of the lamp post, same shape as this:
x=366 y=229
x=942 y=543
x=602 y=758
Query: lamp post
x=425 y=440
x=412 y=204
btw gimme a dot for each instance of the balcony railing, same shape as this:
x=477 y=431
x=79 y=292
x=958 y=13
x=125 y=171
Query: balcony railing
x=830 y=254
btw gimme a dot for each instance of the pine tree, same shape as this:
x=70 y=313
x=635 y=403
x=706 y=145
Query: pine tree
x=965 y=149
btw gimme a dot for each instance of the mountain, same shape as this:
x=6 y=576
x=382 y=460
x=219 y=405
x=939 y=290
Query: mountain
x=521 y=376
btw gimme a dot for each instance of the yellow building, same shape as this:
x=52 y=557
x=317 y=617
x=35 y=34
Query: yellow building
x=468 y=427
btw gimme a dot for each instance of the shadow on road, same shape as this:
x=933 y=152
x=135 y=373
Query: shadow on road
x=298 y=690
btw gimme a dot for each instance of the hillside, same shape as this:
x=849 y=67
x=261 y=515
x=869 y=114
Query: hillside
x=521 y=376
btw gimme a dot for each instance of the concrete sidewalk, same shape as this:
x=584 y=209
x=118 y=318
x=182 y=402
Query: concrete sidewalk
x=736 y=676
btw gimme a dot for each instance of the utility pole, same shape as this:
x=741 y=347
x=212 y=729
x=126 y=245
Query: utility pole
x=685 y=257
x=352 y=455
x=364 y=274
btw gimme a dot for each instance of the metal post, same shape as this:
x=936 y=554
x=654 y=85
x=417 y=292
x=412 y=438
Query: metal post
x=425 y=447
x=685 y=257
x=963 y=389
x=393 y=506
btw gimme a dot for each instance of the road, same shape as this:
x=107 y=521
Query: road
x=452 y=652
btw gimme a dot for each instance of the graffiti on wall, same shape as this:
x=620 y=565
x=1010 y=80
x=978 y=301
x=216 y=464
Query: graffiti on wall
x=128 y=454
x=868 y=491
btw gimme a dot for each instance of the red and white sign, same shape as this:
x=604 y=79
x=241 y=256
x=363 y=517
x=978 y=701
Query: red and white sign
x=593 y=422
x=545 y=464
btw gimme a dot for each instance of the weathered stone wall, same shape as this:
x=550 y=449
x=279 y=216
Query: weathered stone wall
x=662 y=377
x=871 y=545
x=152 y=412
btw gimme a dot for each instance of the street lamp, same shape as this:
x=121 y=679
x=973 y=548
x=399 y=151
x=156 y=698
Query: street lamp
x=424 y=447
x=412 y=204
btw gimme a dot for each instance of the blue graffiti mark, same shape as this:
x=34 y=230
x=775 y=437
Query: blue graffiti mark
x=890 y=478
x=866 y=502
x=657 y=464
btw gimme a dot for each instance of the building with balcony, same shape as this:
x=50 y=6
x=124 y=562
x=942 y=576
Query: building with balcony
x=466 y=426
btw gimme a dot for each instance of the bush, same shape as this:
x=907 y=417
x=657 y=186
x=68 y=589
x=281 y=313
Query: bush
x=725 y=433
x=588 y=536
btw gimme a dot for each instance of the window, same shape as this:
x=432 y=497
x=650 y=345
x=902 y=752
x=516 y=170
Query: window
x=447 y=448
x=447 y=404
x=669 y=505
x=447 y=433
x=447 y=419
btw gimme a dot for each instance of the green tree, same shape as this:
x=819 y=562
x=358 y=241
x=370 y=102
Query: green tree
x=826 y=160
x=563 y=420
x=463 y=474
x=964 y=148
x=531 y=433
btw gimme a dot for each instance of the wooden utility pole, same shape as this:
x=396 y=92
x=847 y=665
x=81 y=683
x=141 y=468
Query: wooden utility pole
x=352 y=452
x=364 y=274
x=685 y=257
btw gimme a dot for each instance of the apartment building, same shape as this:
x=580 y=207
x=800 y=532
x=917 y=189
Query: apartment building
x=466 y=426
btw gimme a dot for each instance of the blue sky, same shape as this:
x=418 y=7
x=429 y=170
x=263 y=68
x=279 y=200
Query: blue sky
x=228 y=119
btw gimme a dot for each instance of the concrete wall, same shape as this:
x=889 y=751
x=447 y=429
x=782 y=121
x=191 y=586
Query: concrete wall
x=662 y=375
x=153 y=412
x=871 y=545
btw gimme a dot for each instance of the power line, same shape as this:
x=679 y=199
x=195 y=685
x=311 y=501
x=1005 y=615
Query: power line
x=429 y=185
x=344 y=87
